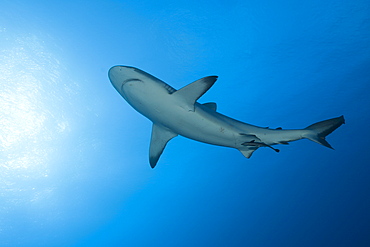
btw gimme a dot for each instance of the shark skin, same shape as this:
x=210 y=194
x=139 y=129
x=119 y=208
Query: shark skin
x=177 y=112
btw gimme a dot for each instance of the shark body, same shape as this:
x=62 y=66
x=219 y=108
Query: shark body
x=177 y=112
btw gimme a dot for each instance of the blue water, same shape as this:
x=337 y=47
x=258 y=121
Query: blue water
x=74 y=165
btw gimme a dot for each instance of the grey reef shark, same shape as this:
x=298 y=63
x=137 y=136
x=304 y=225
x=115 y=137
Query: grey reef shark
x=177 y=112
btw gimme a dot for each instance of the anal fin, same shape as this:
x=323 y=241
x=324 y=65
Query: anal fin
x=248 y=151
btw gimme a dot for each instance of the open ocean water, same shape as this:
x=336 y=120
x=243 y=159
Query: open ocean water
x=74 y=167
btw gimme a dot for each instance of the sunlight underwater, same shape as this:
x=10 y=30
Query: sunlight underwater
x=29 y=125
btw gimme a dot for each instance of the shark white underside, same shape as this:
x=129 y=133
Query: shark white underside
x=177 y=112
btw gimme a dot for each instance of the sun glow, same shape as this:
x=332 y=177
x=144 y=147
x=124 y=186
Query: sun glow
x=29 y=120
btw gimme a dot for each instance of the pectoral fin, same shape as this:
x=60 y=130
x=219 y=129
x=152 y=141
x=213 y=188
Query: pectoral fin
x=160 y=136
x=192 y=92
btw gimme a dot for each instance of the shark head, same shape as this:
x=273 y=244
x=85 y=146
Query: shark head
x=126 y=80
x=129 y=80
x=140 y=89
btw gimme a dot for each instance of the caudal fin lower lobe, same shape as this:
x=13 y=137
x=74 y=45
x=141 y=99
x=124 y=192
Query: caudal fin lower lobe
x=321 y=129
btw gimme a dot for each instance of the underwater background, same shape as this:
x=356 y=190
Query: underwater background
x=74 y=167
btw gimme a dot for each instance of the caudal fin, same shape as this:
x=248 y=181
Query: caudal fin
x=321 y=129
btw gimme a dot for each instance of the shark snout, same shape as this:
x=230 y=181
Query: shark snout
x=113 y=75
x=118 y=75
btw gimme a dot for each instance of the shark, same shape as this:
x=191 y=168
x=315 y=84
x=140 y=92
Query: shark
x=178 y=112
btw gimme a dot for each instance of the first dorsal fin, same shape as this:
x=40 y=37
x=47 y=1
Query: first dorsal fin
x=192 y=92
x=160 y=136
x=211 y=105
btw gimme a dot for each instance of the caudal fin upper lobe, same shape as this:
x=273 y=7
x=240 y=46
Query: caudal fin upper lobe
x=320 y=130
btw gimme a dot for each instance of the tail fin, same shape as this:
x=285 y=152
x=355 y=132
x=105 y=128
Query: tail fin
x=321 y=129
